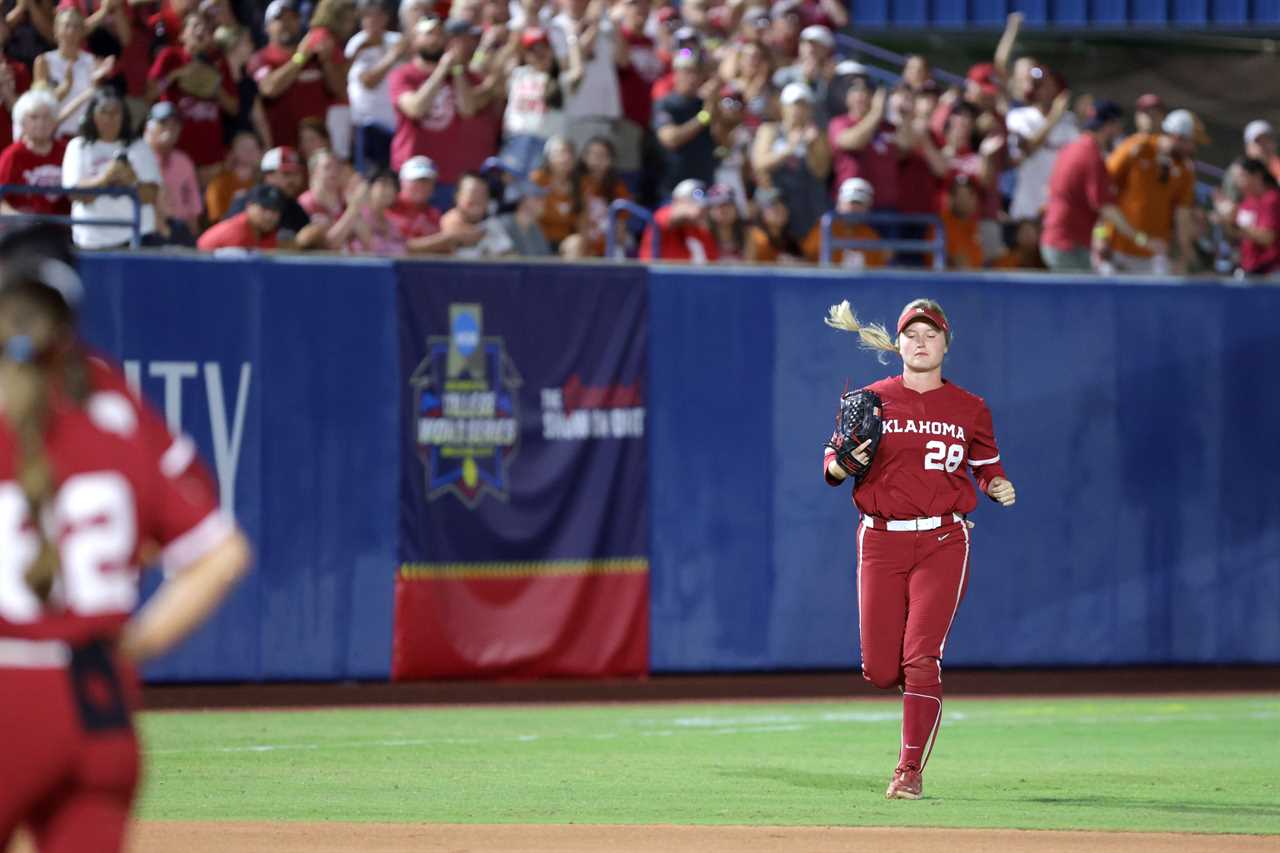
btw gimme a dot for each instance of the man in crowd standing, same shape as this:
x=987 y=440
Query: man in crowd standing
x=1081 y=194
x=373 y=52
x=815 y=69
x=298 y=77
x=431 y=95
x=1154 y=175
x=682 y=121
x=594 y=107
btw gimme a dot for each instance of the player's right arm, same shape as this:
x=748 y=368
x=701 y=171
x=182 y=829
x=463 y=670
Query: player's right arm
x=185 y=600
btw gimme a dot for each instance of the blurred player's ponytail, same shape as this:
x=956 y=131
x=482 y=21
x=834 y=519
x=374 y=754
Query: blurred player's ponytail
x=39 y=356
x=873 y=336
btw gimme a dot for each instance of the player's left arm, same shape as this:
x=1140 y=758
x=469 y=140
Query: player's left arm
x=984 y=461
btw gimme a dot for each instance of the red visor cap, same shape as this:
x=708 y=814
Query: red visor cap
x=920 y=312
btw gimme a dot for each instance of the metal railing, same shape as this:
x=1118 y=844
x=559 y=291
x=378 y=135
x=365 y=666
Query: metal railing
x=622 y=205
x=937 y=244
x=134 y=223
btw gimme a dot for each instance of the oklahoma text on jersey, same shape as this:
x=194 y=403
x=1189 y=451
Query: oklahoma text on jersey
x=926 y=427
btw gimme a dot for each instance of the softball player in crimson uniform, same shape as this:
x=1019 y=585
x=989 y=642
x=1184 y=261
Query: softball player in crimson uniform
x=82 y=453
x=913 y=539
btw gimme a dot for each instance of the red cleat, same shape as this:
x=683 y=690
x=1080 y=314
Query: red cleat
x=906 y=784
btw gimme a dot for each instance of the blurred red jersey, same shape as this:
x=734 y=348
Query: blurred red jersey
x=124 y=484
x=928 y=439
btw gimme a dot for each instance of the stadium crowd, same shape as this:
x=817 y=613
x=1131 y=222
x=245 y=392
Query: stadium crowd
x=484 y=128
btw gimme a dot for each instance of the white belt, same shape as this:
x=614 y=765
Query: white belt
x=33 y=654
x=933 y=522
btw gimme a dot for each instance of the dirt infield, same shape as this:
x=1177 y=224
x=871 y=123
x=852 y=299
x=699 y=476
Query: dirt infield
x=165 y=837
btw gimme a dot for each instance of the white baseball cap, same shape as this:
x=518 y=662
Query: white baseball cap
x=820 y=34
x=277 y=8
x=1185 y=124
x=416 y=168
x=1257 y=127
x=795 y=92
x=851 y=68
x=690 y=190
x=856 y=191
x=685 y=58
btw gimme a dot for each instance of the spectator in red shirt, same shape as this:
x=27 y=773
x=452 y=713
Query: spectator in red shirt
x=639 y=67
x=862 y=142
x=413 y=213
x=166 y=25
x=982 y=165
x=432 y=94
x=1257 y=220
x=36 y=158
x=254 y=228
x=684 y=235
x=195 y=79
x=297 y=77
x=1081 y=193
x=832 y=14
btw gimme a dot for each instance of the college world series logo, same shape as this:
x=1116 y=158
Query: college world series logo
x=467 y=409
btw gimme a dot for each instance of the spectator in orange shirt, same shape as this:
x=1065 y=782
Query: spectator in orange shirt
x=254 y=228
x=559 y=177
x=1155 y=184
x=855 y=198
x=238 y=175
x=960 y=224
x=769 y=240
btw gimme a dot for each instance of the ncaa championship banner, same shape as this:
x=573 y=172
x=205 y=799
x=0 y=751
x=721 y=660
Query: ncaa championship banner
x=523 y=496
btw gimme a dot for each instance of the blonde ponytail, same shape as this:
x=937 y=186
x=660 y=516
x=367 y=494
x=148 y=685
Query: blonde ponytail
x=24 y=388
x=873 y=336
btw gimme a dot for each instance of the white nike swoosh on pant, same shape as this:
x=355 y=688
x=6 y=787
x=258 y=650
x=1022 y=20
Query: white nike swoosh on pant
x=943 y=536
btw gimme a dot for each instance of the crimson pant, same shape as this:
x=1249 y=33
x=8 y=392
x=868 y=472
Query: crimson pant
x=71 y=787
x=910 y=585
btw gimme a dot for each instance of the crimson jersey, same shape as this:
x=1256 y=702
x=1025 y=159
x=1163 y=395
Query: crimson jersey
x=124 y=484
x=928 y=440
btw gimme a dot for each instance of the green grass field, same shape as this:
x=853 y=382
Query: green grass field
x=1187 y=765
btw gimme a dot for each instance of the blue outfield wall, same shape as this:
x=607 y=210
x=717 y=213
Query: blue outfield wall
x=1136 y=419
x=284 y=373
x=1139 y=421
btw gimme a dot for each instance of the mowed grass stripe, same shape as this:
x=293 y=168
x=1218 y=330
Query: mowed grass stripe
x=1196 y=765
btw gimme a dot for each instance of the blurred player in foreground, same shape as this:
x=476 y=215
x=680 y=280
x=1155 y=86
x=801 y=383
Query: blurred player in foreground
x=80 y=453
x=913 y=541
